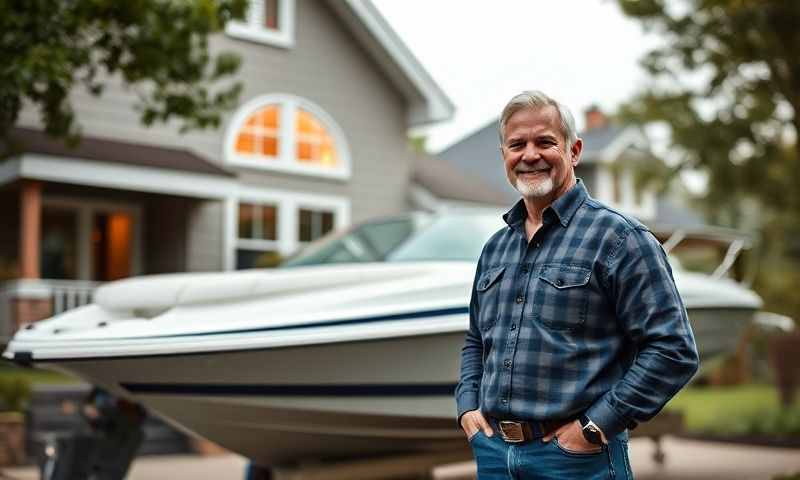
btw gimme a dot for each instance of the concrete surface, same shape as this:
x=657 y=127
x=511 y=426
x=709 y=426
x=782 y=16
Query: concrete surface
x=686 y=460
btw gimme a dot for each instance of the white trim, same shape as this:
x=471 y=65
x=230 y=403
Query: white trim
x=229 y=233
x=253 y=30
x=427 y=102
x=629 y=136
x=288 y=204
x=287 y=155
x=26 y=288
x=10 y=170
x=138 y=178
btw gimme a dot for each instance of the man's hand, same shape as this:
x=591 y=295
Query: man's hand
x=570 y=436
x=473 y=421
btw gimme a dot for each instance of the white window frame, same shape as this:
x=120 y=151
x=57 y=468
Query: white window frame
x=286 y=161
x=288 y=205
x=253 y=28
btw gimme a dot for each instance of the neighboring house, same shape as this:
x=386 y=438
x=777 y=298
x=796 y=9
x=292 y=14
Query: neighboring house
x=319 y=141
x=613 y=156
x=439 y=186
x=608 y=163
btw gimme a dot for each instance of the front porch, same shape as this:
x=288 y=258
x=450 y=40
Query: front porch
x=77 y=217
x=62 y=241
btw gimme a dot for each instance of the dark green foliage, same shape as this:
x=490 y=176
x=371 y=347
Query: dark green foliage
x=159 y=47
x=726 y=81
x=14 y=393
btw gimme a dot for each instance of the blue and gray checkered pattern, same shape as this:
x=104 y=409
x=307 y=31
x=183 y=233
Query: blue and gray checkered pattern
x=584 y=318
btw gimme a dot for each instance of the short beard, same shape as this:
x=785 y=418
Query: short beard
x=535 y=190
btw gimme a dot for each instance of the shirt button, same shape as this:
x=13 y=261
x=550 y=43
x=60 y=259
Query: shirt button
x=560 y=282
x=504 y=400
x=507 y=363
x=520 y=299
x=513 y=326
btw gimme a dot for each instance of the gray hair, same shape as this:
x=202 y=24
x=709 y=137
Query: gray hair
x=535 y=99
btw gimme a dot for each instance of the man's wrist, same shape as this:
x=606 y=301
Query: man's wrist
x=591 y=432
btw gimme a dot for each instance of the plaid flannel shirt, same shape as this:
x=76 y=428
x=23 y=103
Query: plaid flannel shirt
x=583 y=319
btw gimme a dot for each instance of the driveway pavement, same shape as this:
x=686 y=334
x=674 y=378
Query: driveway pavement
x=686 y=460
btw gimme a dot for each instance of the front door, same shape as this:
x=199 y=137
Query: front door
x=82 y=240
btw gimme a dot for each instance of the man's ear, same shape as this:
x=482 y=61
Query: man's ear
x=575 y=152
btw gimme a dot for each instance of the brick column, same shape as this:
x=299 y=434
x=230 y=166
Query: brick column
x=29 y=299
x=30 y=201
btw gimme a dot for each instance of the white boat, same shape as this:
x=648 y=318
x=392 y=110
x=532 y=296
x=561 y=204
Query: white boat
x=352 y=349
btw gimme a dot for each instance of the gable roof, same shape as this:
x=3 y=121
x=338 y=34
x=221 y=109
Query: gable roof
x=427 y=102
x=597 y=140
x=478 y=155
x=447 y=182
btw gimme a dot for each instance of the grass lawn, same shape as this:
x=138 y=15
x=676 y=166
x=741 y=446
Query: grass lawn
x=738 y=410
x=10 y=372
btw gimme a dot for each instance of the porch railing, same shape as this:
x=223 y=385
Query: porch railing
x=64 y=295
x=69 y=294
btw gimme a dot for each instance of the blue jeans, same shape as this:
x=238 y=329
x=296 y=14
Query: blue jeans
x=498 y=460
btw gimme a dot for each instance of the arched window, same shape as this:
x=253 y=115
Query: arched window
x=289 y=134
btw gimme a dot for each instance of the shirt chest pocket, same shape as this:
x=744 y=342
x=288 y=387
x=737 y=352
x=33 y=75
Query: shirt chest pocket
x=488 y=291
x=562 y=296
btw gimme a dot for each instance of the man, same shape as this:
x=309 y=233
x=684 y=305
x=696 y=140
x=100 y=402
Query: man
x=577 y=331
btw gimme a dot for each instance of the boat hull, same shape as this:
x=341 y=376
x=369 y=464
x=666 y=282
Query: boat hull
x=330 y=401
x=322 y=401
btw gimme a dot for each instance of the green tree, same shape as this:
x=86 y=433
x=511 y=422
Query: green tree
x=726 y=82
x=159 y=47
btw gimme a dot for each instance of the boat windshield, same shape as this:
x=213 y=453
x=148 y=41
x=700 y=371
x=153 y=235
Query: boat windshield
x=416 y=237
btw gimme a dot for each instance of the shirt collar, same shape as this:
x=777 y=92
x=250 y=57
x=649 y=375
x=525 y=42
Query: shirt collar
x=563 y=208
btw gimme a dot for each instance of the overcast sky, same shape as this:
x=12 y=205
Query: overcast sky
x=581 y=52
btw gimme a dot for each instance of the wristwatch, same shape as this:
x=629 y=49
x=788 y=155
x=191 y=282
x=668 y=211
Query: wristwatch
x=591 y=432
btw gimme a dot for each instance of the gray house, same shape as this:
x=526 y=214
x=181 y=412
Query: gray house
x=319 y=141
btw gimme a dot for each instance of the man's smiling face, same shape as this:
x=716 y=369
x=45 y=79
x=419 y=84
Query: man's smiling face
x=538 y=162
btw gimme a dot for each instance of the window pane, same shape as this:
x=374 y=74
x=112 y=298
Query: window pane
x=269 y=222
x=256 y=259
x=246 y=215
x=327 y=222
x=259 y=135
x=269 y=117
x=305 y=235
x=271 y=14
x=58 y=254
x=314 y=224
x=304 y=151
x=315 y=144
x=269 y=146
x=245 y=143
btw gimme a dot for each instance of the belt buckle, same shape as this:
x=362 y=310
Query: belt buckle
x=511 y=431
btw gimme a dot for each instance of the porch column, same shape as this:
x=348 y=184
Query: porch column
x=30 y=233
x=30 y=299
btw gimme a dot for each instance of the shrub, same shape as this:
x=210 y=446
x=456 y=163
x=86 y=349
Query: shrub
x=15 y=392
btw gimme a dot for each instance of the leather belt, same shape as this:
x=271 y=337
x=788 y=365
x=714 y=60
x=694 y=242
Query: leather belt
x=515 y=431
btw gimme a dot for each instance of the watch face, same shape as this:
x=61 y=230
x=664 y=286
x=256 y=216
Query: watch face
x=592 y=435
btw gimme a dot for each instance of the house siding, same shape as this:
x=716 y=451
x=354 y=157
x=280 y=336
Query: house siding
x=205 y=237
x=326 y=66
